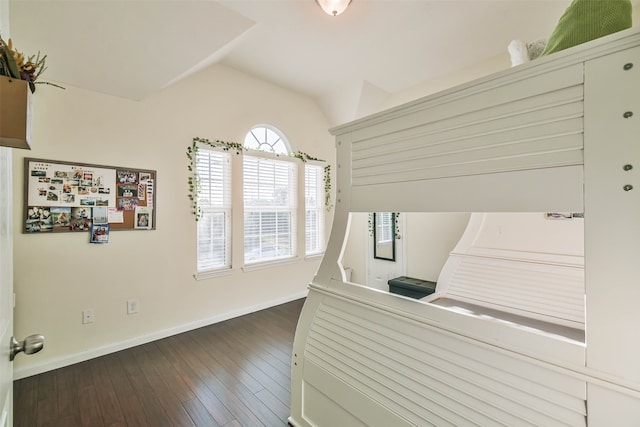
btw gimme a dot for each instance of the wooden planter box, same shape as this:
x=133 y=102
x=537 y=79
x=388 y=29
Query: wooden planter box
x=15 y=113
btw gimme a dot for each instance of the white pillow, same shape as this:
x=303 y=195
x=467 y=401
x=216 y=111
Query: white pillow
x=522 y=52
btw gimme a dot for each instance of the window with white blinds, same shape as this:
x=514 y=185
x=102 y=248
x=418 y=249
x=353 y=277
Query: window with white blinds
x=214 y=199
x=314 y=209
x=385 y=227
x=270 y=202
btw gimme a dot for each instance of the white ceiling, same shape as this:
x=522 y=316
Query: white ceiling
x=134 y=48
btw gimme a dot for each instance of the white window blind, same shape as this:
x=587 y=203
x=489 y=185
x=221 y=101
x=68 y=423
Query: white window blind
x=214 y=198
x=314 y=209
x=385 y=227
x=269 y=209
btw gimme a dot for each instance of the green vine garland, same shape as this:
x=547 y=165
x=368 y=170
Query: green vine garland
x=194 y=179
x=397 y=227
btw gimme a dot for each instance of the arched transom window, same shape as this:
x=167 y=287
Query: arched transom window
x=266 y=139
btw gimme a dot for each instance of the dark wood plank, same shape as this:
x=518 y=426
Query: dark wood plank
x=87 y=399
x=25 y=401
x=106 y=394
x=232 y=374
x=68 y=409
x=169 y=400
x=199 y=414
x=47 y=400
x=151 y=405
x=130 y=402
x=280 y=409
x=255 y=358
x=229 y=396
x=267 y=378
x=196 y=383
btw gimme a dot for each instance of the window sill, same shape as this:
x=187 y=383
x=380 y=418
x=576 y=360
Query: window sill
x=213 y=273
x=314 y=257
x=269 y=264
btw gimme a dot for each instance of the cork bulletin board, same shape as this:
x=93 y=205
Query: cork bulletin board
x=63 y=196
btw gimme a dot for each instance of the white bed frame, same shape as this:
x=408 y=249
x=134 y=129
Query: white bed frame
x=547 y=136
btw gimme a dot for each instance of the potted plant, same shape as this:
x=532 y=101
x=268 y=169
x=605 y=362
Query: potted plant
x=18 y=75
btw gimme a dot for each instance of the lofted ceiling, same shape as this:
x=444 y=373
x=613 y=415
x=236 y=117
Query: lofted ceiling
x=134 y=48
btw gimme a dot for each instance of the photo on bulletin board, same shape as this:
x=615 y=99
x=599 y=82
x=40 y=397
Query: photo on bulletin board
x=61 y=196
x=99 y=233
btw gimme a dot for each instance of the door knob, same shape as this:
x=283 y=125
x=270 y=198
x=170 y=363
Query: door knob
x=31 y=344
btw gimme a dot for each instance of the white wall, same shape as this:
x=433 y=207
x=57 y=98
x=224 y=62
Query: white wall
x=355 y=250
x=57 y=276
x=476 y=71
x=428 y=238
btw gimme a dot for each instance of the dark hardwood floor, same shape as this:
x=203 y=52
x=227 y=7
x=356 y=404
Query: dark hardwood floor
x=233 y=373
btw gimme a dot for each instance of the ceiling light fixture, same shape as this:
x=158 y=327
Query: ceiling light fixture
x=333 y=7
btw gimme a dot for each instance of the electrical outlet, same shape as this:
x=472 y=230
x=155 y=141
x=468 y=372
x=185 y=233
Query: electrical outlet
x=87 y=316
x=132 y=306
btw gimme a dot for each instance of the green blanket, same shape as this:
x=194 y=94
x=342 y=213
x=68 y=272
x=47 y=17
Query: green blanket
x=586 y=20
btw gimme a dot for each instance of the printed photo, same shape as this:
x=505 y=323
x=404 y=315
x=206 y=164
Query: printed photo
x=38 y=173
x=141 y=191
x=61 y=217
x=127 y=204
x=80 y=213
x=127 y=177
x=143 y=217
x=80 y=224
x=38 y=219
x=100 y=233
x=100 y=215
x=128 y=191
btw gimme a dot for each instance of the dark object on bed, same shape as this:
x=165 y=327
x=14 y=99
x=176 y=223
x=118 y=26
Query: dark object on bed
x=411 y=287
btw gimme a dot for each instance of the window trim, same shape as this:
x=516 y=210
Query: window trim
x=236 y=213
x=321 y=208
x=209 y=274
x=295 y=223
x=228 y=212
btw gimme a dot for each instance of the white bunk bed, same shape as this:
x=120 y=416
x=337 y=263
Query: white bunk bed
x=555 y=135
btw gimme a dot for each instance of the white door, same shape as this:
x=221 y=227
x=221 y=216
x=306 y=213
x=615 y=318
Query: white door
x=6 y=288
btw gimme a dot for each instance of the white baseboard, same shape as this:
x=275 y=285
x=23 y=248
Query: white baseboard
x=143 y=339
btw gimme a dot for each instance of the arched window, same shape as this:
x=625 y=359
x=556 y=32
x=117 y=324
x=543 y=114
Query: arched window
x=270 y=197
x=275 y=214
x=267 y=138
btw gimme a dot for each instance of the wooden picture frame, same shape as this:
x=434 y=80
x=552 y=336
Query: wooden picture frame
x=61 y=196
